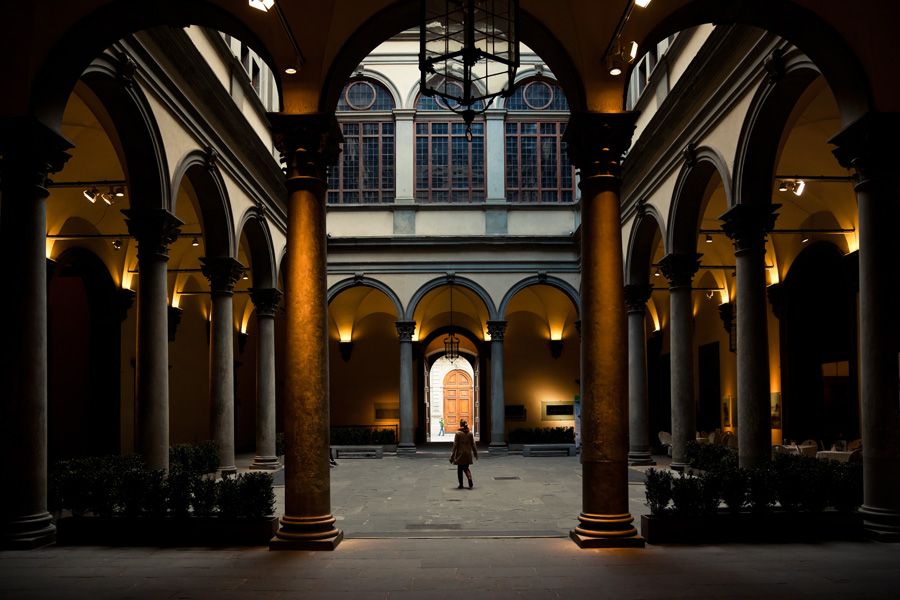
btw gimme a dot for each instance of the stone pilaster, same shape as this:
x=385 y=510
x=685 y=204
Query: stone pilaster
x=405 y=330
x=596 y=143
x=869 y=146
x=748 y=225
x=222 y=273
x=266 y=302
x=636 y=296
x=30 y=152
x=154 y=230
x=497 y=329
x=679 y=269
x=309 y=144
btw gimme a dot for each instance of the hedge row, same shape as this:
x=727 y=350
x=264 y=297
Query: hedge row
x=542 y=435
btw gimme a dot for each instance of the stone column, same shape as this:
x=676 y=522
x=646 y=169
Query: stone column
x=596 y=142
x=636 y=297
x=747 y=225
x=154 y=230
x=405 y=156
x=869 y=145
x=309 y=144
x=406 y=329
x=679 y=269
x=495 y=159
x=29 y=151
x=497 y=329
x=222 y=273
x=266 y=302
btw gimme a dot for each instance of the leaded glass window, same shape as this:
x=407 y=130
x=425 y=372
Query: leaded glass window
x=449 y=168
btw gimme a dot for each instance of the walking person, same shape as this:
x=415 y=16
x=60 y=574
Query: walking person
x=441 y=432
x=463 y=451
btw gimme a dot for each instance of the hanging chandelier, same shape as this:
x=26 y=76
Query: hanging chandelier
x=451 y=342
x=468 y=52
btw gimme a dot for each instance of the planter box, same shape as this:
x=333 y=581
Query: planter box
x=548 y=450
x=777 y=526
x=165 y=531
x=515 y=448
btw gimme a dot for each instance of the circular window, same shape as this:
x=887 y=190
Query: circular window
x=538 y=95
x=450 y=88
x=360 y=95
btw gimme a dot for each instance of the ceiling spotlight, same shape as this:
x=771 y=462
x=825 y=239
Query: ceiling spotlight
x=91 y=194
x=291 y=71
x=805 y=239
x=642 y=3
x=656 y=274
x=798 y=187
x=106 y=198
x=632 y=54
x=117 y=245
x=708 y=239
x=119 y=192
x=196 y=242
x=263 y=5
x=245 y=276
x=783 y=186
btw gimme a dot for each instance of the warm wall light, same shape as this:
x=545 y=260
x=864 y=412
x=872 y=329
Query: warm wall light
x=708 y=239
x=656 y=273
x=263 y=5
x=119 y=192
x=642 y=3
x=798 y=187
x=245 y=276
x=196 y=242
x=555 y=348
x=91 y=194
x=346 y=349
x=783 y=186
x=291 y=71
x=117 y=245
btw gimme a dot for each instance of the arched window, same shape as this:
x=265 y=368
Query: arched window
x=449 y=168
x=537 y=166
x=365 y=172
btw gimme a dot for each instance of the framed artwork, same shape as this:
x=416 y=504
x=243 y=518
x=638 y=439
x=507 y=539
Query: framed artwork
x=727 y=406
x=776 y=410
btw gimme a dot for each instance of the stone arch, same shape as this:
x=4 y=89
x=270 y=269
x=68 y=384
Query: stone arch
x=639 y=252
x=141 y=142
x=212 y=196
x=457 y=281
x=348 y=283
x=262 y=251
x=99 y=30
x=555 y=282
x=763 y=129
x=689 y=198
x=405 y=15
x=808 y=31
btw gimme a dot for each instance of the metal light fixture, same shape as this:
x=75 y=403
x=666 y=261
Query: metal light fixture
x=451 y=342
x=798 y=187
x=119 y=192
x=263 y=5
x=117 y=245
x=91 y=194
x=642 y=3
x=196 y=242
x=468 y=52
x=245 y=276
x=708 y=239
x=656 y=273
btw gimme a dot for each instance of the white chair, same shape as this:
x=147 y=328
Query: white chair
x=811 y=443
x=855 y=445
x=665 y=438
x=779 y=449
x=855 y=456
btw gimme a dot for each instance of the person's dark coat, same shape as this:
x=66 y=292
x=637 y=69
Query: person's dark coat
x=463 y=447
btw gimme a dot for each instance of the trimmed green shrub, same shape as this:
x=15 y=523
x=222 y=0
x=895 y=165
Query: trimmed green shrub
x=178 y=493
x=228 y=496
x=361 y=436
x=203 y=491
x=196 y=459
x=257 y=495
x=541 y=435
x=846 y=485
x=761 y=493
x=659 y=491
x=280 y=444
x=710 y=457
x=734 y=488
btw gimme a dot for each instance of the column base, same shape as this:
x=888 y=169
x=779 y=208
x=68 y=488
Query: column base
x=499 y=449
x=606 y=531
x=227 y=471
x=880 y=524
x=679 y=466
x=306 y=533
x=639 y=458
x=406 y=449
x=27 y=533
x=265 y=463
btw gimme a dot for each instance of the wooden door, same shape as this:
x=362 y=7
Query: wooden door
x=457 y=400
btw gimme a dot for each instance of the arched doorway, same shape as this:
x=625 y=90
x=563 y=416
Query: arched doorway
x=451 y=394
x=458 y=400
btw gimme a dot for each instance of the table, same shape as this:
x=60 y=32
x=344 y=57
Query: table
x=835 y=455
x=805 y=450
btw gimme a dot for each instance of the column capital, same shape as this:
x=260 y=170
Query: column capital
x=680 y=269
x=748 y=225
x=596 y=141
x=222 y=273
x=124 y=301
x=154 y=229
x=265 y=300
x=496 y=329
x=309 y=144
x=776 y=295
x=869 y=145
x=29 y=151
x=405 y=329
x=636 y=296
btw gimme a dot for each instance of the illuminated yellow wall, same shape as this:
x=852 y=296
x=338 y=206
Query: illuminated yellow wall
x=189 y=374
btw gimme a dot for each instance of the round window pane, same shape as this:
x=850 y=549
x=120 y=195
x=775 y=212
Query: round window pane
x=538 y=95
x=360 y=95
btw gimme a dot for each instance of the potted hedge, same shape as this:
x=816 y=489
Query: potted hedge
x=518 y=437
x=791 y=498
x=117 y=501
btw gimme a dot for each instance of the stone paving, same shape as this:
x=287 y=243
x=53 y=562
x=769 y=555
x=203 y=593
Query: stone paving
x=411 y=534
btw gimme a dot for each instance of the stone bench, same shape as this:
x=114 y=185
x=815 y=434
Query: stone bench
x=548 y=450
x=358 y=451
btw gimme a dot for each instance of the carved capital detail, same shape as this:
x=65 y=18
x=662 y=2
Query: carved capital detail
x=405 y=329
x=748 y=224
x=680 y=269
x=309 y=144
x=636 y=296
x=265 y=300
x=29 y=152
x=776 y=295
x=496 y=329
x=124 y=301
x=222 y=273
x=154 y=230
x=596 y=142
x=869 y=145
x=174 y=320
